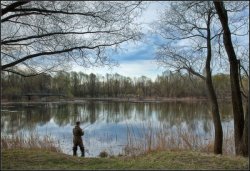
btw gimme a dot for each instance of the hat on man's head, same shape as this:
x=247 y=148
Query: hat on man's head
x=77 y=122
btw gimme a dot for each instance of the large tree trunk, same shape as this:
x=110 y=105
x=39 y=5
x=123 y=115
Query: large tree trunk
x=218 y=141
x=245 y=132
x=234 y=79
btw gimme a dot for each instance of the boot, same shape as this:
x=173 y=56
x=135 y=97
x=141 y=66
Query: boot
x=83 y=152
x=74 y=151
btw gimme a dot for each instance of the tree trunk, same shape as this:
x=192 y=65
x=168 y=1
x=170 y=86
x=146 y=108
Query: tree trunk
x=218 y=141
x=245 y=132
x=234 y=79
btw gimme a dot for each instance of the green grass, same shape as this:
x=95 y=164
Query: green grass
x=41 y=159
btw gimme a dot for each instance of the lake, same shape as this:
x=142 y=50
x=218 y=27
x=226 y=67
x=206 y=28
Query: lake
x=109 y=125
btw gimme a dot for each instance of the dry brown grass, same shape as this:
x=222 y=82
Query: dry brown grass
x=30 y=141
x=158 y=139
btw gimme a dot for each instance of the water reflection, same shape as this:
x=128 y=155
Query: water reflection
x=107 y=122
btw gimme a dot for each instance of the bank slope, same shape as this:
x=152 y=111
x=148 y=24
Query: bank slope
x=40 y=159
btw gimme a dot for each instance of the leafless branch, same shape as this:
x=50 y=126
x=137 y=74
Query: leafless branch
x=57 y=52
x=13 y=6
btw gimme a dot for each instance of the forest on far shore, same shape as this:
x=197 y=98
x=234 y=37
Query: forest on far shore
x=79 y=84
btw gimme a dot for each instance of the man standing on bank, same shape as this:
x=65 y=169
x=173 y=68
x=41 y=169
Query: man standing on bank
x=77 y=139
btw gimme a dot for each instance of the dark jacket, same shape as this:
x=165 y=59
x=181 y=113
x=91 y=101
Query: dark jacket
x=77 y=132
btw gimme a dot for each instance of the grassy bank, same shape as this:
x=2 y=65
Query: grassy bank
x=42 y=159
x=34 y=152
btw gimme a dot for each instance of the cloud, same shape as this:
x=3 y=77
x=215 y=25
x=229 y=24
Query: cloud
x=138 y=52
x=143 y=50
x=151 y=13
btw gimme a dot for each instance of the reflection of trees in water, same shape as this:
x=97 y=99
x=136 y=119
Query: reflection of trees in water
x=26 y=118
x=174 y=113
x=61 y=114
x=70 y=113
x=65 y=114
x=92 y=108
x=117 y=111
x=226 y=111
x=207 y=126
x=192 y=113
x=143 y=111
x=10 y=122
x=178 y=112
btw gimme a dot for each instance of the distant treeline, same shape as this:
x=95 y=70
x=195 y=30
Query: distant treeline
x=79 y=84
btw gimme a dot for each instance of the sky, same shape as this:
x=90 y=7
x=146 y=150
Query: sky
x=135 y=59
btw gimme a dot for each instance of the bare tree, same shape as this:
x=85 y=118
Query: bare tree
x=191 y=28
x=240 y=124
x=38 y=36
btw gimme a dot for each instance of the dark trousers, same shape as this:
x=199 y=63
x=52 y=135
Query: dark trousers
x=81 y=148
x=78 y=142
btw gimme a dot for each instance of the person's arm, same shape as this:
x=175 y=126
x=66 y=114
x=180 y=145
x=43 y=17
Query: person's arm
x=81 y=132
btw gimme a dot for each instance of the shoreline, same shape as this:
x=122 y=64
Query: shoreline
x=116 y=99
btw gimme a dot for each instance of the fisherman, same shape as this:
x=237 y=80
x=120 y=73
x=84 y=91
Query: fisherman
x=77 y=140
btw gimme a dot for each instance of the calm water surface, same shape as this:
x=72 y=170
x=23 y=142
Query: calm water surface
x=106 y=124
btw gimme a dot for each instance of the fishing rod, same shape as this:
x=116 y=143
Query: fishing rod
x=87 y=126
x=92 y=123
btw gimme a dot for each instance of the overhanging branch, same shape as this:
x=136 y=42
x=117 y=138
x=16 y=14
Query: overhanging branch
x=21 y=74
x=89 y=14
x=56 y=33
x=58 y=52
x=13 y=6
